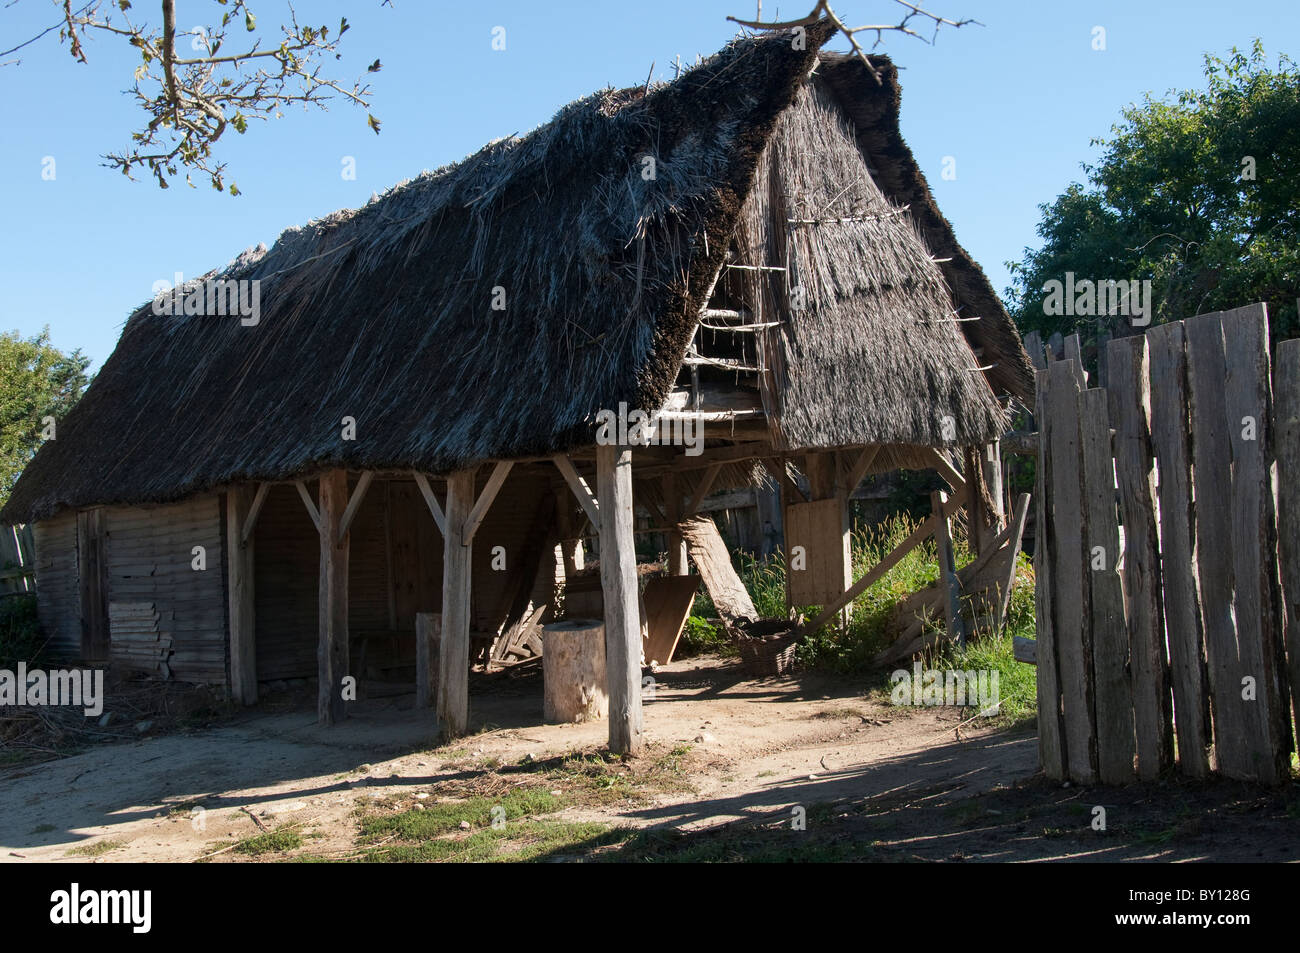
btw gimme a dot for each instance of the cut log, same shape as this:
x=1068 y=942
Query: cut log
x=573 y=671
x=723 y=584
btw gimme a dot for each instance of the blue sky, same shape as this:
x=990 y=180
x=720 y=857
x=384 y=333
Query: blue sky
x=1015 y=102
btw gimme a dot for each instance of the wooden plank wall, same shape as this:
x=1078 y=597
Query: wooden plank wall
x=150 y=559
x=286 y=567
x=1201 y=628
x=56 y=582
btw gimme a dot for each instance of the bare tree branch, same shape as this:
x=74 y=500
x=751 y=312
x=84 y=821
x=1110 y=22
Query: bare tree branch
x=823 y=11
x=192 y=100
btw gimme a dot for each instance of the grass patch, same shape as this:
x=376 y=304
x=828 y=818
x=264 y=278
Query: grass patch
x=277 y=841
x=97 y=848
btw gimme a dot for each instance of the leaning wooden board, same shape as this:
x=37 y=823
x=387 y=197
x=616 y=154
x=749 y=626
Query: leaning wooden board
x=711 y=557
x=667 y=601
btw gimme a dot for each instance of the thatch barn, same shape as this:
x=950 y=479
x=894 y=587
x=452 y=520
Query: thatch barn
x=749 y=249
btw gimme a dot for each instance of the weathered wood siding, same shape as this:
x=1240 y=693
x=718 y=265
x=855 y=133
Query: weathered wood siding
x=150 y=559
x=56 y=582
x=286 y=564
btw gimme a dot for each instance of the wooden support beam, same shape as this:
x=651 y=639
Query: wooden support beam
x=307 y=502
x=254 y=511
x=453 y=655
x=354 y=504
x=947 y=570
x=240 y=502
x=702 y=490
x=475 y=518
x=579 y=487
x=946 y=470
x=859 y=469
x=889 y=562
x=619 y=584
x=332 y=610
x=677 y=564
x=427 y=492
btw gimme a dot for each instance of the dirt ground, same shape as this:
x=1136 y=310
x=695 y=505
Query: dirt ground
x=728 y=762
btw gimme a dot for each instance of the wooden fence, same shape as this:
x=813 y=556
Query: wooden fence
x=17 y=560
x=1160 y=575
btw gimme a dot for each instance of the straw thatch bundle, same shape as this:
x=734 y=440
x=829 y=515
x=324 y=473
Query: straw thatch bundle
x=385 y=313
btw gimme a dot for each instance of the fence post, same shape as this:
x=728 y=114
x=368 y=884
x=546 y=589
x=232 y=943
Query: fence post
x=1069 y=581
x=1130 y=417
x=1110 y=647
x=1051 y=749
x=1287 y=413
x=1170 y=429
x=1253 y=544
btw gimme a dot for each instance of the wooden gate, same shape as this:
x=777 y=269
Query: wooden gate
x=1160 y=600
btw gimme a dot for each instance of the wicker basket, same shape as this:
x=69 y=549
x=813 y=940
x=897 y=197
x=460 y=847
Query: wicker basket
x=770 y=655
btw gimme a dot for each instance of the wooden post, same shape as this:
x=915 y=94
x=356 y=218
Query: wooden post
x=1051 y=729
x=332 y=611
x=1253 y=543
x=1071 y=633
x=239 y=578
x=947 y=569
x=1211 y=471
x=618 y=580
x=1287 y=412
x=428 y=637
x=1130 y=415
x=453 y=654
x=1110 y=645
x=677 y=565
x=1170 y=435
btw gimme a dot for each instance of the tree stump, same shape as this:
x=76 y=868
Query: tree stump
x=573 y=671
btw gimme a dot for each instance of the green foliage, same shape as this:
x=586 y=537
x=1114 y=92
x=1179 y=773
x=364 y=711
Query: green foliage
x=21 y=639
x=271 y=842
x=850 y=649
x=36 y=380
x=700 y=636
x=1173 y=200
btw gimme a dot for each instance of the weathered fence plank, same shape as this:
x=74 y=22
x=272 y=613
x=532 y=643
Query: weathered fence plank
x=1286 y=409
x=1051 y=731
x=1070 y=625
x=1253 y=545
x=1110 y=644
x=1170 y=429
x=1129 y=416
x=1211 y=469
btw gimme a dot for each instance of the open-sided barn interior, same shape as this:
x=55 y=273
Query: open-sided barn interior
x=404 y=436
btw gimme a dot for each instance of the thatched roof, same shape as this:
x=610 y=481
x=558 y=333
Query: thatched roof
x=384 y=313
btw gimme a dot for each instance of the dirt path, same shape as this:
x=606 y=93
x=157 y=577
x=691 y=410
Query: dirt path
x=754 y=747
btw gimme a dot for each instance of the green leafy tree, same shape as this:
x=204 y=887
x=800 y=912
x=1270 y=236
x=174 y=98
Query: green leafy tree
x=36 y=381
x=1198 y=193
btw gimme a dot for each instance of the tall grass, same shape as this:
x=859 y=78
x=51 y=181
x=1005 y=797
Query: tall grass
x=872 y=627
